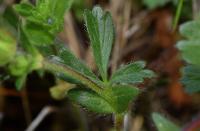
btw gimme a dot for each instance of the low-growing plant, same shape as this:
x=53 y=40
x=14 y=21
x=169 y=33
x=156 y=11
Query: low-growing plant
x=190 y=51
x=104 y=95
x=101 y=93
x=39 y=48
x=163 y=124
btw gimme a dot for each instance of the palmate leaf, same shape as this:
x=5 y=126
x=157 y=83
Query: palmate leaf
x=190 y=51
x=101 y=33
x=191 y=78
x=132 y=73
x=163 y=124
x=119 y=96
x=90 y=100
x=190 y=30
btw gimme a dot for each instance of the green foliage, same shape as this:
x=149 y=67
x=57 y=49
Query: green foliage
x=44 y=20
x=37 y=34
x=191 y=78
x=69 y=59
x=91 y=100
x=190 y=52
x=119 y=96
x=101 y=96
x=19 y=65
x=38 y=27
x=22 y=65
x=101 y=32
x=132 y=73
x=7 y=47
x=24 y=9
x=60 y=90
x=10 y=17
x=78 y=8
x=190 y=30
x=163 y=124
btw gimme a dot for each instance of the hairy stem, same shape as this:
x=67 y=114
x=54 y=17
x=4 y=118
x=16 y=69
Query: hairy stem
x=178 y=14
x=118 y=121
x=60 y=68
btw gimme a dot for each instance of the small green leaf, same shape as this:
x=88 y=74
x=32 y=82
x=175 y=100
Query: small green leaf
x=163 y=124
x=69 y=59
x=24 y=42
x=11 y=18
x=66 y=57
x=24 y=9
x=101 y=33
x=60 y=90
x=7 y=47
x=90 y=100
x=19 y=65
x=37 y=35
x=120 y=96
x=131 y=73
x=60 y=7
x=50 y=14
x=191 y=30
x=190 y=51
x=191 y=78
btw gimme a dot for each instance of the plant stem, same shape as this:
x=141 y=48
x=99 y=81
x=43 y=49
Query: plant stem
x=60 y=68
x=118 y=121
x=178 y=13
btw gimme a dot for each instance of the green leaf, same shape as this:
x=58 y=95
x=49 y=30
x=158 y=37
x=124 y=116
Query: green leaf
x=163 y=124
x=60 y=90
x=7 y=47
x=24 y=9
x=50 y=13
x=191 y=78
x=11 y=17
x=120 y=96
x=78 y=8
x=190 y=51
x=131 y=73
x=152 y=4
x=69 y=59
x=37 y=35
x=20 y=65
x=90 y=100
x=60 y=7
x=66 y=57
x=190 y=30
x=101 y=33
x=56 y=65
x=24 y=42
